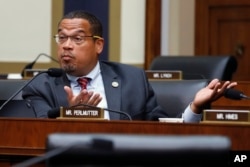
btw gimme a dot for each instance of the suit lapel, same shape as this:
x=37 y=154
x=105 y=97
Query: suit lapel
x=112 y=86
x=60 y=82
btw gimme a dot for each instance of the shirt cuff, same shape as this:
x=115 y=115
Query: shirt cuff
x=190 y=117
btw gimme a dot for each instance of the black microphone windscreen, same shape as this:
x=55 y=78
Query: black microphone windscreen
x=233 y=94
x=54 y=113
x=55 y=72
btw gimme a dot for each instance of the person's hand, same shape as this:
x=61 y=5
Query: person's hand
x=84 y=97
x=213 y=91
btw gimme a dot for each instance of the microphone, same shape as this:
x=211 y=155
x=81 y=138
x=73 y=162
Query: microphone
x=94 y=144
x=235 y=94
x=30 y=65
x=54 y=72
x=46 y=156
x=55 y=112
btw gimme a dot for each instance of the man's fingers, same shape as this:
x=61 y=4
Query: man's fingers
x=95 y=100
x=90 y=98
x=213 y=83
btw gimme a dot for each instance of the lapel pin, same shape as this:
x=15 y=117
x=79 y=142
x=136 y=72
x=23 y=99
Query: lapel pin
x=115 y=84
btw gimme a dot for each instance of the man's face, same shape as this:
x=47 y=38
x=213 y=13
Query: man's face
x=77 y=53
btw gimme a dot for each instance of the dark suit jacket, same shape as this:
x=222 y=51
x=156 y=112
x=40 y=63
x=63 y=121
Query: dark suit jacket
x=134 y=95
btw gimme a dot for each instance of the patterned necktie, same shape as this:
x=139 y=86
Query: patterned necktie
x=83 y=82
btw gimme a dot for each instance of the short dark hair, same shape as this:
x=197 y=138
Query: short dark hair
x=95 y=23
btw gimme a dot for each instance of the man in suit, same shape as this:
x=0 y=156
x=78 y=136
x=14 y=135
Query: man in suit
x=110 y=85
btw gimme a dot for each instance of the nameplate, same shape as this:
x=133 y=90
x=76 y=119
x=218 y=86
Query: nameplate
x=30 y=73
x=226 y=115
x=82 y=112
x=164 y=75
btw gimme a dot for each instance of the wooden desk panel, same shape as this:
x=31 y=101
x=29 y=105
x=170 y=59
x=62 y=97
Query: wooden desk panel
x=28 y=136
x=22 y=139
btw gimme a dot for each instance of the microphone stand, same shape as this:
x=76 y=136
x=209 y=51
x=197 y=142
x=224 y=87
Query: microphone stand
x=48 y=155
x=19 y=90
x=52 y=72
x=30 y=65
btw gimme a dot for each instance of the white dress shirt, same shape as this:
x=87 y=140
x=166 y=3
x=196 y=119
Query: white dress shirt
x=95 y=85
x=190 y=116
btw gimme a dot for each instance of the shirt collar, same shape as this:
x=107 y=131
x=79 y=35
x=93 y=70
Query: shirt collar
x=93 y=74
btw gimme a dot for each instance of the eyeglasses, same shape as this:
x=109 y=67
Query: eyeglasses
x=77 y=39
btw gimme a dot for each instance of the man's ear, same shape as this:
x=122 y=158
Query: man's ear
x=99 y=43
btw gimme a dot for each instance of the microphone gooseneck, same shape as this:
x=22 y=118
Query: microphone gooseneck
x=30 y=65
x=50 y=154
x=235 y=94
x=55 y=112
x=95 y=144
x=54 y=72
x=115 y=111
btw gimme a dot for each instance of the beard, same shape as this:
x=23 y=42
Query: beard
x=69 y=68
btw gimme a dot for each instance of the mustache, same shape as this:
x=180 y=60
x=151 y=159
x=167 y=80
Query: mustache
x=67 y=55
